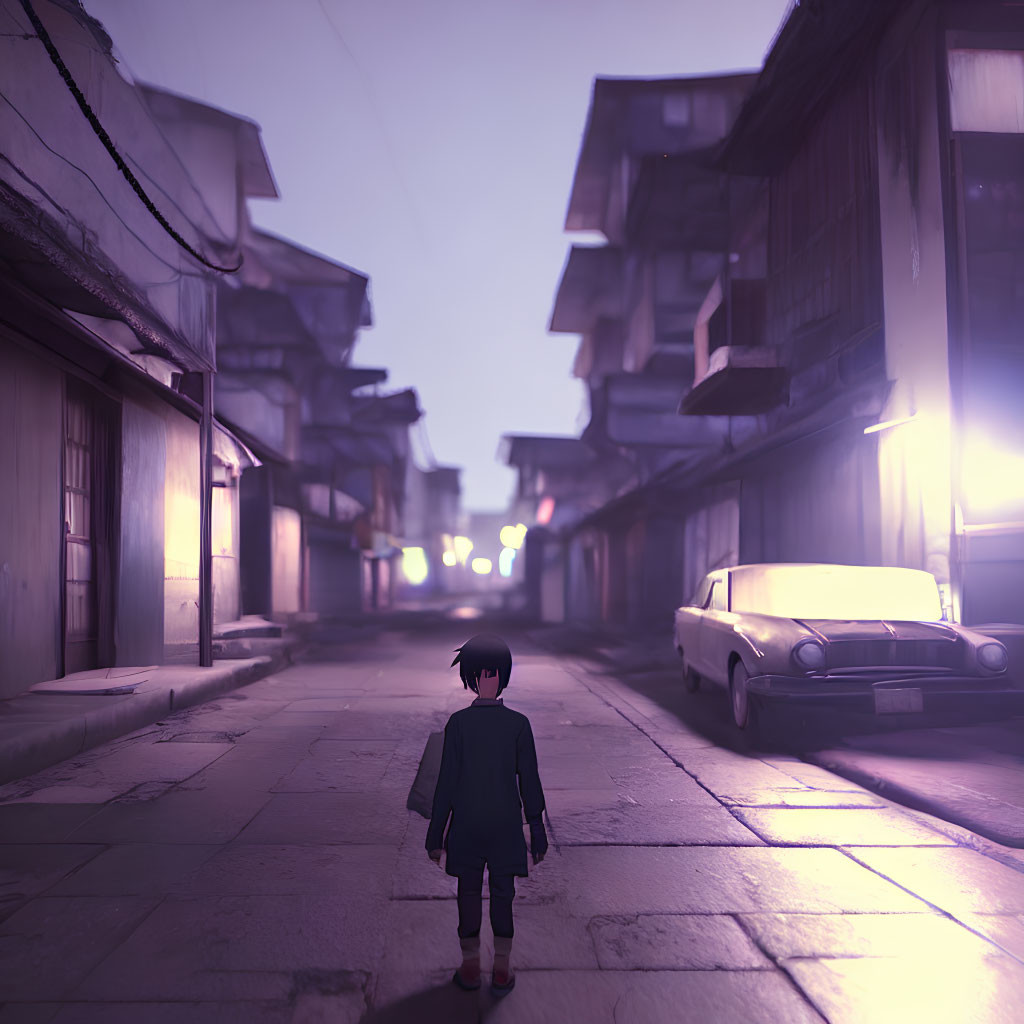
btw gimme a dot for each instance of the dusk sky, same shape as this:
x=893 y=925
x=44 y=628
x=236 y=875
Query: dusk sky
x=432 y=145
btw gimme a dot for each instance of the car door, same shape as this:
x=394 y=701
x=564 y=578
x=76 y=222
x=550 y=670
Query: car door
x=709 y=632
x=687 y=620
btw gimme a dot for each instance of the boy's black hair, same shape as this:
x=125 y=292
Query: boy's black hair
x=485 y=650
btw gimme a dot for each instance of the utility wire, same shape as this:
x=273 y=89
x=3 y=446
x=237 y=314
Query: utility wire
x=83 y=103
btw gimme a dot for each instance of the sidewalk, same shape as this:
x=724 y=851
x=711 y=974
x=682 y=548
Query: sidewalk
x=60 y=718
x=970 y=775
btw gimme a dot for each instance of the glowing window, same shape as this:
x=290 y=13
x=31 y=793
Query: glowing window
x=414 y=564
x=505 y=560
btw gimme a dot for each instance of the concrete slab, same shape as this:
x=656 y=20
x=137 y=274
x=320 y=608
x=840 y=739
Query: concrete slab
x=817 y=826
x=28 y=869
x=785 y=936
x=560 y=771
x=955 y=880
x=28 y=1013
x=663 y=824
x=240 y=947
x=136 y=870
x=240 y=1012
x=716 y=880
x=415 y=877
x=674 y=942
x=182 y=816
x=812 y=775
x=326 y=818
x=361 y=725
x=42 y=823
x=804 y=798
x=1006 y=930
x=731 y=775
x=52 y=943
x=983 y=797
x=341 y=773
x=989 y=990
x=98 y=681
x=598 y=997
x=424 y=935
x=242 y=868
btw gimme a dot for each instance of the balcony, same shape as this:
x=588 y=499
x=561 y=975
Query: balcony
x=740 y=381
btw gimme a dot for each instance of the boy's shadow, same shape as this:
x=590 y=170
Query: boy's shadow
x=442 y=1004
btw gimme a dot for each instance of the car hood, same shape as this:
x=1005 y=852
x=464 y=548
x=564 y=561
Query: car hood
x=879 y=629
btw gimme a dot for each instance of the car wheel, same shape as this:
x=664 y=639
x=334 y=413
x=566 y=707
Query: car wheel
x=739 y=696
x=691 y=681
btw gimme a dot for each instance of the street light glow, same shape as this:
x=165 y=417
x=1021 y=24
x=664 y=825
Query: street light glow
x=448 y=558
x=463 y=546
x=482 y=566
x=414 y=565
x=512 y=536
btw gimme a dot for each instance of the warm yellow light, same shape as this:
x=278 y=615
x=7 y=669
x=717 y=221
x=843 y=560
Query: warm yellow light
x=414 y=564
x=481 y=566
x=447 y=542
x=463 y=546
x=886 y=424
x=512 y=536
x=803 y=591
x=448 y=558
x=991 y=479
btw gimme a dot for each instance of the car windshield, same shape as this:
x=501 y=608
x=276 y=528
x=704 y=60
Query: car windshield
x=836 y=592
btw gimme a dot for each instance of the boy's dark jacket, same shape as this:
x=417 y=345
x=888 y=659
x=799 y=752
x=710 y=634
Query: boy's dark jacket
x=486 y=746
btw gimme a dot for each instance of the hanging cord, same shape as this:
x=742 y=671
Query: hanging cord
x=44 y=38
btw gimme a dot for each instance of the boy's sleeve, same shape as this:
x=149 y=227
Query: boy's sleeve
x=529 y=778
x=444 y=791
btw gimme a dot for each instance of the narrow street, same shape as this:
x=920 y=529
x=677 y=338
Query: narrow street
x=253 y=860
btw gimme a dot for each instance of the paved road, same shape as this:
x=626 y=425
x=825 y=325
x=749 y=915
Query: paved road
x=252 y=860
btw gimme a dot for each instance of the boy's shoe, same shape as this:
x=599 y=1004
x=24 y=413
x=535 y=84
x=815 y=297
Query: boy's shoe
x=467 y=980
x=502 y=982
x=502 y=978
x=467 y=977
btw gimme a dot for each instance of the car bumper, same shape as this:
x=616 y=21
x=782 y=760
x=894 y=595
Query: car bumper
x=882 y=696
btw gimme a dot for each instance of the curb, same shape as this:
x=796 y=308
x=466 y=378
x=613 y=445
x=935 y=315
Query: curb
x=913 y=799
x=41 y=744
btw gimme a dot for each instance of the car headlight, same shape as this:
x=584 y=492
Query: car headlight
x=809 y=653
x=992 y=656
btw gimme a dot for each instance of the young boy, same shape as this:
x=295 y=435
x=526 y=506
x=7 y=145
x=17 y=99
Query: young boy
x=486 y=746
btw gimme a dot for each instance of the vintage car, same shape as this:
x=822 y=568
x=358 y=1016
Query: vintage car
x=866 y=637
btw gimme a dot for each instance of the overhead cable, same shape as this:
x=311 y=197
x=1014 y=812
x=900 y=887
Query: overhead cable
x=83 y=103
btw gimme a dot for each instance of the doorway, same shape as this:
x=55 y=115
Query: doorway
x=90 y=526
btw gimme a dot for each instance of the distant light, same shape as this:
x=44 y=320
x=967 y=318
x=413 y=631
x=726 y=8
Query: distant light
x=512 y=536
x=463 y=546
x=414 y=565
x=466 y=611
x=876 y=427
x=449 y=558
x=505 y=560
x=481 y=566
x=447 y=542
x=545 y=510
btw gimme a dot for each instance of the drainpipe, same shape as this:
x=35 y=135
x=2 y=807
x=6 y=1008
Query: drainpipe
x=205 y=524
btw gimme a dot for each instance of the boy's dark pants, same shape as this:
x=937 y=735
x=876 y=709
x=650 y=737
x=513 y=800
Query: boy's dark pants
x=470 y=900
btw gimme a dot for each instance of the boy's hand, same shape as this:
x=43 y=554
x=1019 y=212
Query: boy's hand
x=435 y=856
x=538 y=842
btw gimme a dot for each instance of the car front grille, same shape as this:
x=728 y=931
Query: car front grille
x=946 y=654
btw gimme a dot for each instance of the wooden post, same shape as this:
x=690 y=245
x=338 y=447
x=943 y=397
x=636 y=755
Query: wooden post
x=206 y=525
